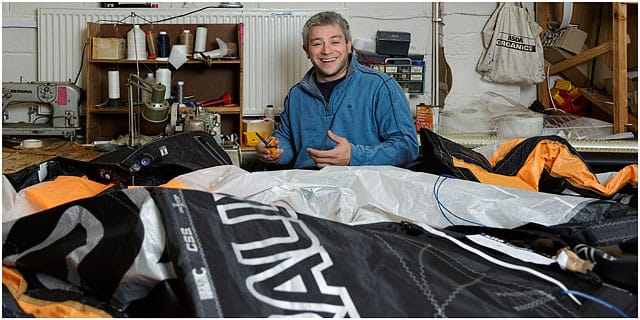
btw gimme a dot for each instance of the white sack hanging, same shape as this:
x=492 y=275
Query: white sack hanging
x=513 y=50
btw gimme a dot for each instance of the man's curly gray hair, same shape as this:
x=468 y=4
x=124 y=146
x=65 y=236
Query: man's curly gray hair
x=323 y=19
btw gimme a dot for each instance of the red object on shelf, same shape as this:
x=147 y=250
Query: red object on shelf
x=226 y=99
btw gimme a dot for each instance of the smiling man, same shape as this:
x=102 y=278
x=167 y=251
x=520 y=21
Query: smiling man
x=341 y=113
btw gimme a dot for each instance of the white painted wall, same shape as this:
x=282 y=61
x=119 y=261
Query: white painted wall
x=461 y=30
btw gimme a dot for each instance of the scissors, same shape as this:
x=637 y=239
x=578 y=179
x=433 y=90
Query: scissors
x=269 y=144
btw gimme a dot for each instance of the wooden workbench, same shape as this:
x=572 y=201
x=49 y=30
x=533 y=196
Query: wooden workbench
x=16 y=158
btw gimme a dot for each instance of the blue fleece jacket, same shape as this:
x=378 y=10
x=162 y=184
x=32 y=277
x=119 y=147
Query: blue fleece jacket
x=368 y=108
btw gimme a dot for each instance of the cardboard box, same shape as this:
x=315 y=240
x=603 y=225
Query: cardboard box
x=579 y=75
x=108 y=48
x=250 y=127
x=571 y=39
x=265 y=125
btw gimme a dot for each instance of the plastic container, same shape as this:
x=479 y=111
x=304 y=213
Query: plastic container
x=269 y=112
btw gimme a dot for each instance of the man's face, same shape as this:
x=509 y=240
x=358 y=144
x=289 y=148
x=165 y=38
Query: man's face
x=329 y=52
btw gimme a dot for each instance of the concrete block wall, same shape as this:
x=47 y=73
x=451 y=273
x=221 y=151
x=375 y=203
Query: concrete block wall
x=460 y=36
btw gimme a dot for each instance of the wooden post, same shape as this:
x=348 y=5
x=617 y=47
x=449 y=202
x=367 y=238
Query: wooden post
x=542 y=18
x=581 y=57
x=620 y=112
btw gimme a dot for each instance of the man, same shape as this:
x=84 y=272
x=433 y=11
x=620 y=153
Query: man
x=341 y=113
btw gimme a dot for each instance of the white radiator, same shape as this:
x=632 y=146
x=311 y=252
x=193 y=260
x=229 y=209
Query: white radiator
x=273 y=56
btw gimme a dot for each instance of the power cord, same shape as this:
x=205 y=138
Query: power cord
x=81 y=63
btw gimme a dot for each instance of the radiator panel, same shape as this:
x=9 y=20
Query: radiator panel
x=273 y=56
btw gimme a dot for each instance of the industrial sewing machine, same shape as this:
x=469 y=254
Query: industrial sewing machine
x=41 y=108
x=197 y=120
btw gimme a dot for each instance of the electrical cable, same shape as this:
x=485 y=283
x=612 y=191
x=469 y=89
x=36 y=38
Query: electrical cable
x=186 y=14
x=598 y=300
x=424 y=16
x=81 y=63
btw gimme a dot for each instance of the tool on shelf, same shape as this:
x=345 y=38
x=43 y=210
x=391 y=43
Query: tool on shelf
x=225 y=100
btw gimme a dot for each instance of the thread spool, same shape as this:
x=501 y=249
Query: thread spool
x=136 y=47
x=522 y=125
x=113 y=77
x=201 y=40
x=180 y=87
x=466 y=121
x=186 y=38
x=163 y=75
x=163 y=46
x=145 y=95
x=31 y=143
x=151 y=44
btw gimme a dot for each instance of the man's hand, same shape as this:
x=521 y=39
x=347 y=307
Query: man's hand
x=269 y=154
x=340 y=155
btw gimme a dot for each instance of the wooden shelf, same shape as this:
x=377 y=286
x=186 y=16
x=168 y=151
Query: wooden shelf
x=191 y=61
x=233 y=109
x=219 y=109
x=203 y=80
x=108 y=110
x=603 y=108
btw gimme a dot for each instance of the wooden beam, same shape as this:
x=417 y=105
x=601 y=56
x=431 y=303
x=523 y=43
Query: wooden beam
x=542 y=18
x=581 y=57
x=620 y=112
x=603 y=105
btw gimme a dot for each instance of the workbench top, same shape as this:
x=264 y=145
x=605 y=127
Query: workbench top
x=15 y=157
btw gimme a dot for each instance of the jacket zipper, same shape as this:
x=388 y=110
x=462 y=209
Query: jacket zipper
x=319 y=95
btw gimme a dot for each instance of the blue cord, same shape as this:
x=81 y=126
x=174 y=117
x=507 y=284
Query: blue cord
x=436 y=191
x=600 y=301
x=435 y=196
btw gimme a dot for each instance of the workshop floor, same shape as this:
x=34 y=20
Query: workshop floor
x=15 y=157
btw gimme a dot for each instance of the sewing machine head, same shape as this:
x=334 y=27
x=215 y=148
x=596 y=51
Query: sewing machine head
x=41 y=108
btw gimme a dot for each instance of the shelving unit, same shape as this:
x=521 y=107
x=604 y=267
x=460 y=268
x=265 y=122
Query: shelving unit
x=202 y=81
x=614 y=42
x=408 y=74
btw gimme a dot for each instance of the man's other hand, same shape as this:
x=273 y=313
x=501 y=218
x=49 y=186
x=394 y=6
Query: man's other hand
x=340 y=155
